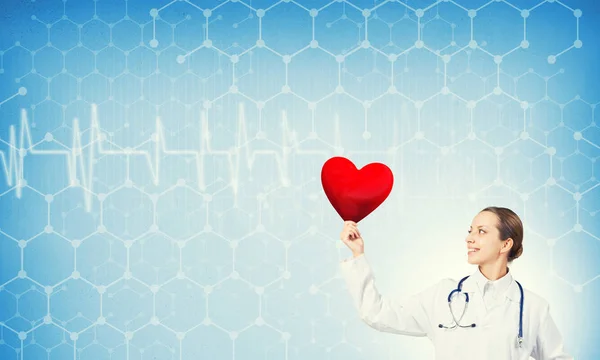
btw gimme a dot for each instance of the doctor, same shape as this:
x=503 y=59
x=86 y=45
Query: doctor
x=488 y=316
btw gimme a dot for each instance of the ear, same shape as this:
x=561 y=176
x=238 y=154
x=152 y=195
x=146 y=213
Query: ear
x=506 y=245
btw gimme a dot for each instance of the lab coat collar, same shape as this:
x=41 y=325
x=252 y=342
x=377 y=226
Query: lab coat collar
x=504 y=286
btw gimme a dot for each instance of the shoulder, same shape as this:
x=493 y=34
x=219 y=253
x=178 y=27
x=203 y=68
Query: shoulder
x=535 y=303
x=448 y=283
x=534 y=299
x=443 y=284
x=441 y=288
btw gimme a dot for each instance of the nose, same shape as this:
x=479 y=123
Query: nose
x=468 y=239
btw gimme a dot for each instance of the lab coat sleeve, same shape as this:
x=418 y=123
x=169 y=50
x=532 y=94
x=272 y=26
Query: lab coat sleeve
x=549 y=342
x=406 y=317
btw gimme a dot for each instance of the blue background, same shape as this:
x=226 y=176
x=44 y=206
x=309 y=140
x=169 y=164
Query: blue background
x=160 y=189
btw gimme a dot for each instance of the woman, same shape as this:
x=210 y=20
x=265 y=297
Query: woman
x=487 y=326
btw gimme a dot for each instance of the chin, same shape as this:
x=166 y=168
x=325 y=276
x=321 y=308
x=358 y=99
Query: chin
x=473 y=261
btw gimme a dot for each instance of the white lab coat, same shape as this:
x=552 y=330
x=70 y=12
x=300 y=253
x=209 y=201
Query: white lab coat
x=495 y=334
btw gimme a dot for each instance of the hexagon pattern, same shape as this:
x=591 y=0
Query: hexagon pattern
x=160 y=194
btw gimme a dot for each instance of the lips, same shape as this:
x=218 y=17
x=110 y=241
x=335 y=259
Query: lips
x=473 y=250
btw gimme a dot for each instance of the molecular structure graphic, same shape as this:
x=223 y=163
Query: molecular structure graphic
x=151 y=233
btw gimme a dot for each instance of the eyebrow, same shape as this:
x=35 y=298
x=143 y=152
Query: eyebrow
x=480 y=226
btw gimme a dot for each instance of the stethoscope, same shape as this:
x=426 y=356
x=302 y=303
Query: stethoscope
x=457 y=322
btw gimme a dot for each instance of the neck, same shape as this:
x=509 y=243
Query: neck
x=494 y=271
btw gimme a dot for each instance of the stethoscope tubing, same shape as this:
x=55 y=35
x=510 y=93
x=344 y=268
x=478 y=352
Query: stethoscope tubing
x=457 y=322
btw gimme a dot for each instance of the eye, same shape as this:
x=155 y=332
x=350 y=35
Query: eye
x=481 y=231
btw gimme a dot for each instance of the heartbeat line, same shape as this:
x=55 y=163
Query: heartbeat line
x=80 y=158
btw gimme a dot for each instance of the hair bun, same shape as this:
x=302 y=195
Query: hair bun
x=515 y=254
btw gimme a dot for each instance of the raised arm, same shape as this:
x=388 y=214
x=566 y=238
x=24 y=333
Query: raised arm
x=380 y=312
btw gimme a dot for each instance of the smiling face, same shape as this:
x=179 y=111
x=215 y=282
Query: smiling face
x=484 y=244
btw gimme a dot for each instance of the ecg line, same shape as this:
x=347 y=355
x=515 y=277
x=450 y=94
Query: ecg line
x=80 y=158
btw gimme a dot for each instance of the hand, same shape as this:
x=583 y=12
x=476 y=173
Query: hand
x=351 y=237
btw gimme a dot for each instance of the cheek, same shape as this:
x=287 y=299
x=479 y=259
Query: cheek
x=490 y=244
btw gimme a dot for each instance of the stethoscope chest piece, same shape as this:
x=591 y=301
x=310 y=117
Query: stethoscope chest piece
x=519 y=341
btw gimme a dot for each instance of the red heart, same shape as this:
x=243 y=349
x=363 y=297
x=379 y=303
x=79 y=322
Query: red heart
x=355 y=193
